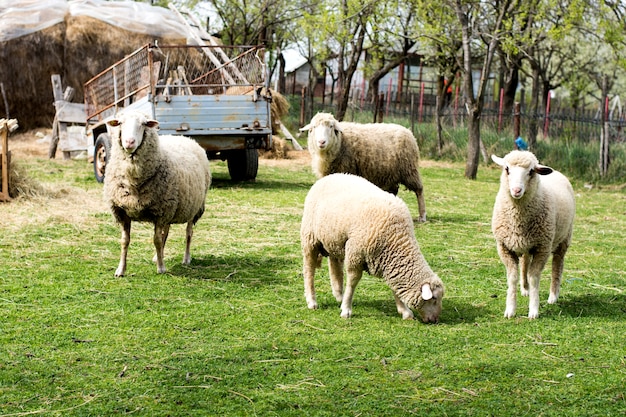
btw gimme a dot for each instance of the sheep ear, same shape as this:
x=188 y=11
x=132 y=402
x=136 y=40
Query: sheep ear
x=427 y=294
x=152 y=123
x=305 y=128
x=543 y=170
x=498 y=160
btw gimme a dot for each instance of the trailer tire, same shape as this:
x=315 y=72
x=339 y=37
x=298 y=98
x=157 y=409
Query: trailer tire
x=243 y=165
x=101 y=152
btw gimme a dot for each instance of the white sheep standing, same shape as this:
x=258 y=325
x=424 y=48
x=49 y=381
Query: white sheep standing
x=159 y=179
x=533 y=217
x=353 y=222
x=386 y=154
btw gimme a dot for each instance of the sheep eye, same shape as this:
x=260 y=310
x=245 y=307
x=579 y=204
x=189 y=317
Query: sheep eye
x=531 y=172
x=507 y=170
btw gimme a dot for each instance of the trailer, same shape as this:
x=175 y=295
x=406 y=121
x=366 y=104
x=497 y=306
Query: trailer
x=216 y=95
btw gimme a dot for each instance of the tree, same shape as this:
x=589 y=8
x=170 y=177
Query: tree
x=437 y=30
x=477 y=30
x=389 y=43
x=266 y=22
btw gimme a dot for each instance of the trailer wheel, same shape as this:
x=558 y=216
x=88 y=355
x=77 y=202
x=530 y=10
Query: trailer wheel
x=101 y=153
x=243 y=165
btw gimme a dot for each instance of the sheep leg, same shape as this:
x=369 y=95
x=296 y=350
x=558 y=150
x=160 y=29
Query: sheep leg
x=526 y=259
x=335 y=269
x=534 y=276
x=558 y=258
x=164 y=234
x=403 y=309
x=159 y=239
x=511 y=263
x=187 y=257
x=422 y=206
x=125 y=241
x=354 y=276
x=310 y=263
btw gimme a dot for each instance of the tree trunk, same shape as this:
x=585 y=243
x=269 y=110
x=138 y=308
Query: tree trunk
x=281 y=85
x=533 y=125
x=604 y=136
x=473 y=144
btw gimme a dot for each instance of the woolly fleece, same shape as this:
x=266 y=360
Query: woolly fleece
x=386 y=154
x=355 y=223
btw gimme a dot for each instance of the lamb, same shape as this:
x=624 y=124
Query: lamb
x=353 y=222
x=533 y=217
x=385 y=154
x=150 y=178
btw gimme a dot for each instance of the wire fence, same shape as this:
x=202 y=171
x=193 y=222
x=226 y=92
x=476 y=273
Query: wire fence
x=559 y=124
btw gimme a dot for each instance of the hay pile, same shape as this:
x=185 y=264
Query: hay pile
x=21 y=185
x=78 y=49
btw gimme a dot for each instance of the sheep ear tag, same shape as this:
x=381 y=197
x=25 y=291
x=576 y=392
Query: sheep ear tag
x=427 y=294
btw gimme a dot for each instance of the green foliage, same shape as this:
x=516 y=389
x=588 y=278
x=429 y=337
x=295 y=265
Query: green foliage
x=231 y=335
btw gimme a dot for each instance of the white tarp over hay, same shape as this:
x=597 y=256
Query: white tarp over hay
x=23 y=17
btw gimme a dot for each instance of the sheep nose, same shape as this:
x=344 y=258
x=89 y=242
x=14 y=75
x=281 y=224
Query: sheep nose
x=129 y=143
x=430 y=319
x=321 y=144
x=516 y=192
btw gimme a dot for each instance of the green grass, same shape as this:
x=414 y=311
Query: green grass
x=231 y=335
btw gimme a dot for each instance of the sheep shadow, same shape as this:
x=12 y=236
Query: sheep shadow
x=234 y=269
x=453 y=312
x=605 y=305
x=260 y=184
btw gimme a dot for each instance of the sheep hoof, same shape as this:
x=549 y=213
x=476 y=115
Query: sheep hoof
x=509 y=314
x=524 y=292
x=161 y=270
x=533 y=315
x=421 y=219
x=346 y=314
x=408 y=315
x=552 y=299
x=312 y=305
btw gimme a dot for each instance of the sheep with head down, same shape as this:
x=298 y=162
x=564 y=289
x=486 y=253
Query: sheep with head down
x=385 y=154
x=356 y=224
x=158 y=179
x=533 y=218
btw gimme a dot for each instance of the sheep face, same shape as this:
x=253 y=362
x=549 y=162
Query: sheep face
x=429 y=303
x=519 y=171
x=324 y=132
x=130 y=130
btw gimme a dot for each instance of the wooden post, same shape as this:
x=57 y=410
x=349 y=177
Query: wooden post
x=6 y=126
x=61 y=128
x=516 y=120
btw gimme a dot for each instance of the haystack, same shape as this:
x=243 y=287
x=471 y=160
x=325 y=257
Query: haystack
x=78 y=48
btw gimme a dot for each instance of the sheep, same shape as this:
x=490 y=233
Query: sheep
x=386 y=154
x=353 y=222
x=533 y=217
x=150 y=178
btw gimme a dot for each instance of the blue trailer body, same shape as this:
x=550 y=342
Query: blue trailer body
x=215 y=95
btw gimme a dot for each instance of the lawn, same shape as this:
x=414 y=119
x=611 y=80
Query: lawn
x=230 y=335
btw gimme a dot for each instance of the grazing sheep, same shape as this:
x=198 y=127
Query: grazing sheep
x=385 y=154
x=151 y=178
x=355 y=223
x=533 y=217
